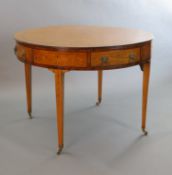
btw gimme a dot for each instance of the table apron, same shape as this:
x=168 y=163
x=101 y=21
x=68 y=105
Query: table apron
x=84 y=59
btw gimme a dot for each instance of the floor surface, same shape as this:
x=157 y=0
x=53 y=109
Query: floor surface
x=98 y=140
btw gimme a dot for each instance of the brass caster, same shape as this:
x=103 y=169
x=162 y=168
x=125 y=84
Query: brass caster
x=30 y=115
x=99 y=101
x=144 y=132
x=60 y=149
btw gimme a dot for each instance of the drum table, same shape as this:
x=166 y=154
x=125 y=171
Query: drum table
x=67 y=48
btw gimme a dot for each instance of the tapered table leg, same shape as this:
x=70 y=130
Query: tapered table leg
x=146 y=74
x=100 y=78
x=28 y=78
x=59 y=84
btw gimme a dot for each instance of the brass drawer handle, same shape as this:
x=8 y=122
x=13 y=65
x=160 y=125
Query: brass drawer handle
x=15 y=50
x=104 y=59
x=132 y=57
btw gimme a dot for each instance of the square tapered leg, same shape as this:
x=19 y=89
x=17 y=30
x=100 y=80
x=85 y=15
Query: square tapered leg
x=28 y=78
x=146 y=75
x=59 y=85
x=100 y=79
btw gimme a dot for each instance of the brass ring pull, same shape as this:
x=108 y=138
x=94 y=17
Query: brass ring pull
x=132 y=57
x=15 y=50
x=104 y=59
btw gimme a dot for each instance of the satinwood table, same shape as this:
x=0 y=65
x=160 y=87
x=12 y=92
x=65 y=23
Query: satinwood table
x=67 y=48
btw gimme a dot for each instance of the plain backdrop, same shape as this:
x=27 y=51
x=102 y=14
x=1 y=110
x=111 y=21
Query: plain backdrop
x=104 y=140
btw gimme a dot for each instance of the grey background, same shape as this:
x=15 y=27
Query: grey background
x=98 y=140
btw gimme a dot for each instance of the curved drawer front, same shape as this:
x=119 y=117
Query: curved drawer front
x=20 y=52
x=87 y=59
x=115 y=57
x=24 y=54
x=63 y=59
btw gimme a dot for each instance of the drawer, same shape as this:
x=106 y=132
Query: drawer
x=115 y=57
x=23 y=53
x=20 y=52
x=61 y=59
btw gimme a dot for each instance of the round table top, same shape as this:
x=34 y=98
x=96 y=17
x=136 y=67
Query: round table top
x=82 y=36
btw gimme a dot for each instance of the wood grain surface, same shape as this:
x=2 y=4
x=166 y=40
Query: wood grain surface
x=82 y=36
